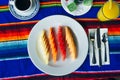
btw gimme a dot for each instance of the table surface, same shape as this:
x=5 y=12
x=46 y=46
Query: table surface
x=14 y=59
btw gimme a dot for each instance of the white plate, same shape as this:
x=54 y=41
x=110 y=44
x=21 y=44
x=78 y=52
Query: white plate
x=81 y=9
x=61 y=67
x=24 y=15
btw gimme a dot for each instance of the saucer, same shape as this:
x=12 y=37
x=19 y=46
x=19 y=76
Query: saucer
x=81 y=8
x=24 y=15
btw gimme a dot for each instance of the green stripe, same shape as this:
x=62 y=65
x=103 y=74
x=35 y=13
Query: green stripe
x=52 y=5
x=3 y=10
x=45 y=6
x=98 y=5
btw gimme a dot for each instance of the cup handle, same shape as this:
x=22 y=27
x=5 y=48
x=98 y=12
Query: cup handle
x=11 y=2
x=110 y=4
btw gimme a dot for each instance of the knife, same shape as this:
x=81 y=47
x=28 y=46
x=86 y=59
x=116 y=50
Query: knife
x=99 y=46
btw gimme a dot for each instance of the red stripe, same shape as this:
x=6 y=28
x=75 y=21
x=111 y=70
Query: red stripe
x=104 y=74
x=22 y=32
x=65 y=79
x=99 y=72
x=19 y=23
x=14 y=33
x=113 y=29
x=60 y=78
x=85 y=20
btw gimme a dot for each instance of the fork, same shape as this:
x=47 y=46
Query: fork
x=92 y=38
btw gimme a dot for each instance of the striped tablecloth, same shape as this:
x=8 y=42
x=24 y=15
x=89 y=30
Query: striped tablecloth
x=15 y=62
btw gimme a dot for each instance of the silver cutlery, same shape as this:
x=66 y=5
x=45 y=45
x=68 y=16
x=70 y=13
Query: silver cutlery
x=92 y=38
x=99 y=46
x=104 y=40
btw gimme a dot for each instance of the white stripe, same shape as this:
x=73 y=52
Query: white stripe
x=16 y=58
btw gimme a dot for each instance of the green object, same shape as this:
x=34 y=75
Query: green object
x=87 y=2
x=72 y=6
x=78 y=1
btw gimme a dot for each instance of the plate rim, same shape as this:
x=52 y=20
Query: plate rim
x=58 y=74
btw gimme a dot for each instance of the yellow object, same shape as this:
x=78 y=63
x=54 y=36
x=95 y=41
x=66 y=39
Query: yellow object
x=109 y=11
x=110 y=3
x=44 y=46
x=71 y=43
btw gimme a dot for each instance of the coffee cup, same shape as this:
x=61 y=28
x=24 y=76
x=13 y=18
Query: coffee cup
x=23 y=5
x=24 y=8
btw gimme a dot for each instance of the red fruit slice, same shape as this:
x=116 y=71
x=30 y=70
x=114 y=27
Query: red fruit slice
x=61 y=42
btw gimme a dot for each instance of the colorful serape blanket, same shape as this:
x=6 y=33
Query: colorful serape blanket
x=15 y=63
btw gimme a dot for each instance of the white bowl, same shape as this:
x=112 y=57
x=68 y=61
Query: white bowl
x=81 y=8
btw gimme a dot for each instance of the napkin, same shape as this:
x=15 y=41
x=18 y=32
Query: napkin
x=102 y=31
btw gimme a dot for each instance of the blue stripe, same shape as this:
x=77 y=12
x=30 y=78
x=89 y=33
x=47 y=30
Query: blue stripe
x=18 y=67
x=13 y=44
x=114 y=64
x=22 y=67
x=114 y=39
x=114 y=43
x=4 y=2
x=15 y=49
x=6 y=17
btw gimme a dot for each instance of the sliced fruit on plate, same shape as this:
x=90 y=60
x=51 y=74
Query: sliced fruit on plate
x=61 y=42
x=44 y=46
x=71 y=43
x=53 y=44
